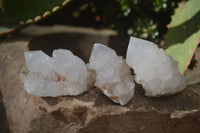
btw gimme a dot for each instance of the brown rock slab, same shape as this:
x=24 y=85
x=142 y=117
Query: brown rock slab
x=90 y=112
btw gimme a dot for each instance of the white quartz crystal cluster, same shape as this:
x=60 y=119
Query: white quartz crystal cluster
x=62 y=74
x=66 y=74
x=157 y=72
x=112 y=74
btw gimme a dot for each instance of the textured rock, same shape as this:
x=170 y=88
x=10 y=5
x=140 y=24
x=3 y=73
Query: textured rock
x=91 y=111
x=157 y=72
x=112 y=74
x=62 y=74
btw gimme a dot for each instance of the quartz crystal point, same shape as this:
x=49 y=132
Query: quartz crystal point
x=112 y=74
x=157 y=72
x=62 y=74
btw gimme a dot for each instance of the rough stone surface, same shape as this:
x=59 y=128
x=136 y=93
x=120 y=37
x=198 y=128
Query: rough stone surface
x=89 y=112
x=113 y=75
x=157 y=72
x=62 y=74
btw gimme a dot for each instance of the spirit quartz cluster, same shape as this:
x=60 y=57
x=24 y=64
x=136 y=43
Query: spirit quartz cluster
x=62 y=74
x=157 y=72
x=113 y=74
x=66 y=74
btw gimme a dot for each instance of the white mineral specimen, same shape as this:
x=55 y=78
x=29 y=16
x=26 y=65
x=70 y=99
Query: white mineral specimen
x=113 y=74
x=62 y=74
x=157 y=72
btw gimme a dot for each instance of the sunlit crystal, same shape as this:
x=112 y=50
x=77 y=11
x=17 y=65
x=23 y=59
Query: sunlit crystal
x=157 y=72
x=62 y=74
x=112 y=74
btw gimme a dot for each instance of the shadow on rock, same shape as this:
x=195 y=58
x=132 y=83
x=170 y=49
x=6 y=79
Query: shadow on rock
x=4 y=128
x=79 y=43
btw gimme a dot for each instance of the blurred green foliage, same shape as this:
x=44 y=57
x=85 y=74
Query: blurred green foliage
x=15 y=14
x=142 y=18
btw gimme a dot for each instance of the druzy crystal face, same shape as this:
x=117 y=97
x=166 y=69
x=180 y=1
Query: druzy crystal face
x=157 y=72
x=62 y=74
x=112 y=74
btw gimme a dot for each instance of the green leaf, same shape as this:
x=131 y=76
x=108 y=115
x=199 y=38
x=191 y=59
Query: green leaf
x=17 y=13
x=184 y=33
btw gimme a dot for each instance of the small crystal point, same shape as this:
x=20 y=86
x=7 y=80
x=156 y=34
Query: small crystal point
x=157 y=72
x=39 y=62
x=70 y=66
x=113 y=75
